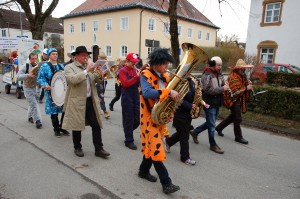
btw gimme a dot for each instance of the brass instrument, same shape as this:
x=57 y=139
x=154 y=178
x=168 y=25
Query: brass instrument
x=163 y=111
x=31 y=82
x=195 y=113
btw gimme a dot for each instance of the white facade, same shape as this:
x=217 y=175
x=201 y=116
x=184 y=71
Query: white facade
x=283 y=36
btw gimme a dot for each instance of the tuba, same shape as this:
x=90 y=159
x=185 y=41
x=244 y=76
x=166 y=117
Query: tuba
x=163 y=111
x=32 y=82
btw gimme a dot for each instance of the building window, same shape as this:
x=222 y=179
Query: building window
x=190 y=33
x=267 y=51
x=108 y=51
x=108 y=24
x=207 y=36
x=95 y=26
x=82 y=26
x=179 y=30
x=124 y=23
x=272 y=11
x=123 y=51
x=3 y=33
x=72 y=48
x=166 y=27
x=95 y=38
x=150 y=49
x=151 y=24
x=199 y=34
x=72 y=28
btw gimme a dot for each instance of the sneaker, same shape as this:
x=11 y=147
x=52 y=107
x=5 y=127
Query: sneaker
x=38 y=124
x=79 y=152
x=166 y=146
x=111 y=107
x=57 y=134
x=171 y=188
x=64 y=132
x=241 y=140
x=148 y=177
x=194 y=136
x=106 y=114
x=30 y=120
x=131 y=146
x=216 y=149
x=190 y=161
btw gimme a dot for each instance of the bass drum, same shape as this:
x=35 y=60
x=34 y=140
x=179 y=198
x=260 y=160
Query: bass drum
x=58 y=88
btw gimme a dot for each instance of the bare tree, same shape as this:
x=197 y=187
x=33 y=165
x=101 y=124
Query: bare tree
x=35 y=14
x=172 y=11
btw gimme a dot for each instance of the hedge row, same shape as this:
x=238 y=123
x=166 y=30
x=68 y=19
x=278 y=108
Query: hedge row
x=277 y=102
x=283 y=79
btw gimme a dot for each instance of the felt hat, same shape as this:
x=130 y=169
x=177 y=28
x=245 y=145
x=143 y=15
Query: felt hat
x=102 y=56
x=80 y=49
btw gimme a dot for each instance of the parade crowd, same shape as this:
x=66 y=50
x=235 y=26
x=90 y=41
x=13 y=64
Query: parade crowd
x=139 y=86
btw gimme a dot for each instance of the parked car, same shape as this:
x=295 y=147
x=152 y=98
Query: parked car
x=260 y=71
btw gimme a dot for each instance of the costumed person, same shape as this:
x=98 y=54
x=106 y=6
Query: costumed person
x=30 y=89
x=46 y=73
x=118 y=87
x=213 y=87
x=45 y=58
x=182 y=122
x=82 y=104
x=102 y=86
x=235 y=100
x=13 y=58
x=130 y=99
x=153 y=85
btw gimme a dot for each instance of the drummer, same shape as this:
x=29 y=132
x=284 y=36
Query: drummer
x=46 y=73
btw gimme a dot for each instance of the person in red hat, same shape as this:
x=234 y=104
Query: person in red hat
x=130 y=101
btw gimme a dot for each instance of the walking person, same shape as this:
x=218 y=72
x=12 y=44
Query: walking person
x=46 y=73
x=82 y=104
x=240 y=87
x=118 y=86
x=213 y=87
x=182 y=122
x=31 y=90
x=130 y=100
x=153 y=85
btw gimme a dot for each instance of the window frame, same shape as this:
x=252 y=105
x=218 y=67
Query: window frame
x=268 y=44
x=207 y=38
x=82 y=27
x=265 y=4
x=153 y=25
x=179 y=30
x=122 y=28
x=199 y=31
x=5 y=33
x=166 y=27
x=108 y=52
x=123 y=54
x=95 y=28
x=72 y=27
x=108 y=28
x=190 y=33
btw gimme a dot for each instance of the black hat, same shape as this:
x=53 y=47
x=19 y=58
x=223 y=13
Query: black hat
x=80 y=49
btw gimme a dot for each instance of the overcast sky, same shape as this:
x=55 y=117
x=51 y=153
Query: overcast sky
x=231 y=17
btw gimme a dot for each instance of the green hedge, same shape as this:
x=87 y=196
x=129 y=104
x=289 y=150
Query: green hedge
x=277 y=102
x=283 y=79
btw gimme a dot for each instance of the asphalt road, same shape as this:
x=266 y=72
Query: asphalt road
x=34 y=164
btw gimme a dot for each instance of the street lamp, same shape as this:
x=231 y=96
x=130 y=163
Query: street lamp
x=21 y=23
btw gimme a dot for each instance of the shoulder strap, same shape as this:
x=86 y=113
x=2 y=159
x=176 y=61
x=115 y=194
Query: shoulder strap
x=51 y=67
x=27 y=68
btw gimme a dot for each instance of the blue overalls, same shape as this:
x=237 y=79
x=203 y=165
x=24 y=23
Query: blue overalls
x=130 y=102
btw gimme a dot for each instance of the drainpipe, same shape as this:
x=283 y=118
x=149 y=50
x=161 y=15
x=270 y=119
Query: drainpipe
x=140 y=40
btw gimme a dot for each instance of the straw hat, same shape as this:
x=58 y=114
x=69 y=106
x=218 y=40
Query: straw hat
x=70 y=54
x=242 y=64
x=102 y=56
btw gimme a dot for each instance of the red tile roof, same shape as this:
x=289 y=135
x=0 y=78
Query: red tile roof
x=185 y=9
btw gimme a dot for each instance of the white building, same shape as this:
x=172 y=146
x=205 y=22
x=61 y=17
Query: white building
x=273 y=31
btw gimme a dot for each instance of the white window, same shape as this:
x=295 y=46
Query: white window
x=72 y=28
x=108 y=24
x=166 y=27
x=123 y=51
x=207 y=36
x=95 y=38
x=272 y=12
x=82 y=26
x=151 y=24
x=72 y=48
x=108 y=51
x=124 y=23
x=266 y=55
x=95 y=26
x=179 y=30
x=199 y=34
x=190 y=33
x=3 y=33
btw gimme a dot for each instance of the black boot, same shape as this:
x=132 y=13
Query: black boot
x=55 y=124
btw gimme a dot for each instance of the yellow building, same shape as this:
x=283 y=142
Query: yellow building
x=120 y=27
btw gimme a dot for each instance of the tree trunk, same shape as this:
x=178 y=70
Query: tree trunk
x=172 y=11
